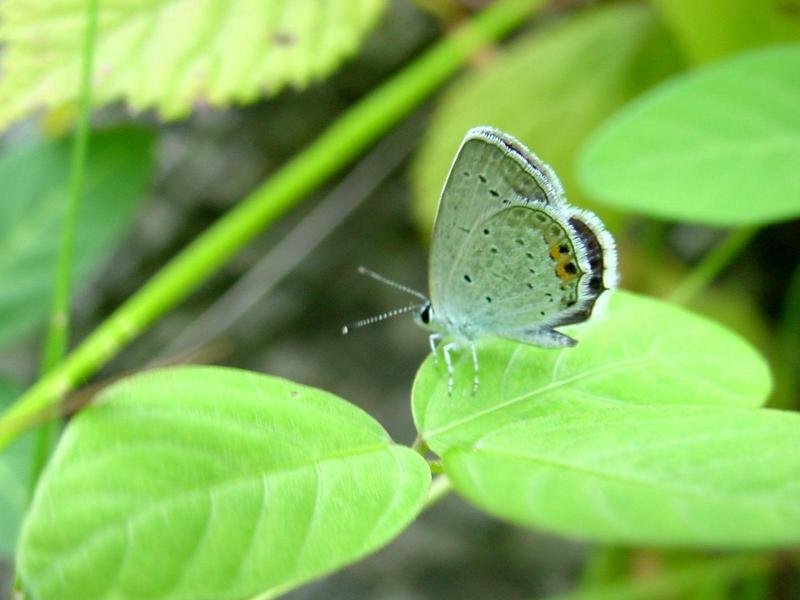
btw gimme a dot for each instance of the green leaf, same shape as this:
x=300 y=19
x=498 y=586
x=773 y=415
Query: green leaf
x=549 y=89
x=678 y=475
x=214 y=483
x=172 y=54
x=643 y=351
x=33 y=184
x=719 y=146
x=14 y=469
x=712 y=29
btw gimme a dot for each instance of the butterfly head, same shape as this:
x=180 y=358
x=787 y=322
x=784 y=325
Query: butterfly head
x=423 y=313
x=424 y=316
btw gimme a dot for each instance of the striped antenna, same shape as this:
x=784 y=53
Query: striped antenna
x=392 y=313
x=394 y=284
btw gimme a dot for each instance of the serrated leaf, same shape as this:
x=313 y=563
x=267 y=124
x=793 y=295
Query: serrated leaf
x=719 y=146
x=675 y=475
x=549 y=89
x=14 y=468
x=643 y=351
x=213 y=483
x=713 y=29
x=33 y=188
x=172 y=54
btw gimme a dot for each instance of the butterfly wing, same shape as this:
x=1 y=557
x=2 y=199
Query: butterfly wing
x=491 y=171
x=519 y=263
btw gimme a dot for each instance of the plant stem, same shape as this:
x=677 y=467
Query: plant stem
x=57 y=338
x=440 y=486
x=350 y=135
x=712 y=265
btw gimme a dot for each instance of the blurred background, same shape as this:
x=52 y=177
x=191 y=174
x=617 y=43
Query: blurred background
x=279 y=306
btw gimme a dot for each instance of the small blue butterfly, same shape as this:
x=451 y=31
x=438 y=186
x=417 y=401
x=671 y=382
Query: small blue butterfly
x=510 y=257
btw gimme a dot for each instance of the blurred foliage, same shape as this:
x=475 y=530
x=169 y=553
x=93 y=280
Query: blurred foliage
x=550 y=88
x=712 y=29
x=699 y=578
x=174 y=55
x=14 y=466
x=719 y=147
x=33 y=182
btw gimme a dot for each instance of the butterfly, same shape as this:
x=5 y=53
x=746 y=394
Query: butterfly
x=510 y=257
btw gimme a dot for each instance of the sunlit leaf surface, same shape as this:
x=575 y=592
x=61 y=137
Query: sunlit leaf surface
x=651 y=474
x=645 y=433
x=214 y=483
x=172 y=54
x=720 y=146
x=642 y=351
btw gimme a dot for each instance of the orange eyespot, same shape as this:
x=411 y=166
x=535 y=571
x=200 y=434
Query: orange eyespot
x=565 y=266
x=566 y=270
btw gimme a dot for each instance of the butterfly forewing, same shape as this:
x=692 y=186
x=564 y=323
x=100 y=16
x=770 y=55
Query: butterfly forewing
x=491 y=172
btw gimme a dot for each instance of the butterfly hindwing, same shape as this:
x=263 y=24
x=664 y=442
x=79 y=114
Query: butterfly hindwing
x=518 y=272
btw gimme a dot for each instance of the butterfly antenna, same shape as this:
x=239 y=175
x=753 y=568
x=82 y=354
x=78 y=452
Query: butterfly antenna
x=394 y=284
x=392 y=313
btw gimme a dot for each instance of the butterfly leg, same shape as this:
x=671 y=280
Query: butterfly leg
x=448 y=361
x=434 y=339
x=475 y=368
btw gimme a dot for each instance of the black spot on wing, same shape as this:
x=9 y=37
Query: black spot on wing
x=595 y=258
x=594 y=253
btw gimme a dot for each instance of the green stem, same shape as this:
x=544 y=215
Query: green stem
x=57 y=338
x=712 y=265
x=440 y=487
x=334 y=149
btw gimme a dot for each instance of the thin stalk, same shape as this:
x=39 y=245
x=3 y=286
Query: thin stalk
x=348 y=137
x=440 y=487
x=712 y=264
x=57 y=338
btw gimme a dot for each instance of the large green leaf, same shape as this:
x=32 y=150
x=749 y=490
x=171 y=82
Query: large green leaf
x=14 y=467
x=642 y=351
x=720 y=146
x=549 y=89
x=213 y=483
x=33 y=187
x=172 y=54
x=712 y=29
x=649 y=474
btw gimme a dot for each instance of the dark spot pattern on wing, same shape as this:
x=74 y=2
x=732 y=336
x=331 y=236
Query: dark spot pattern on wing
x=595 y=258
x=594 y=253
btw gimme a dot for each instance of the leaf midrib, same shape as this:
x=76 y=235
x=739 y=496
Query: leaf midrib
x=429 y=435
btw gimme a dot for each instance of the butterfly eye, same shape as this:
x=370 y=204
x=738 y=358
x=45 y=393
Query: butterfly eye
x=425 y=315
